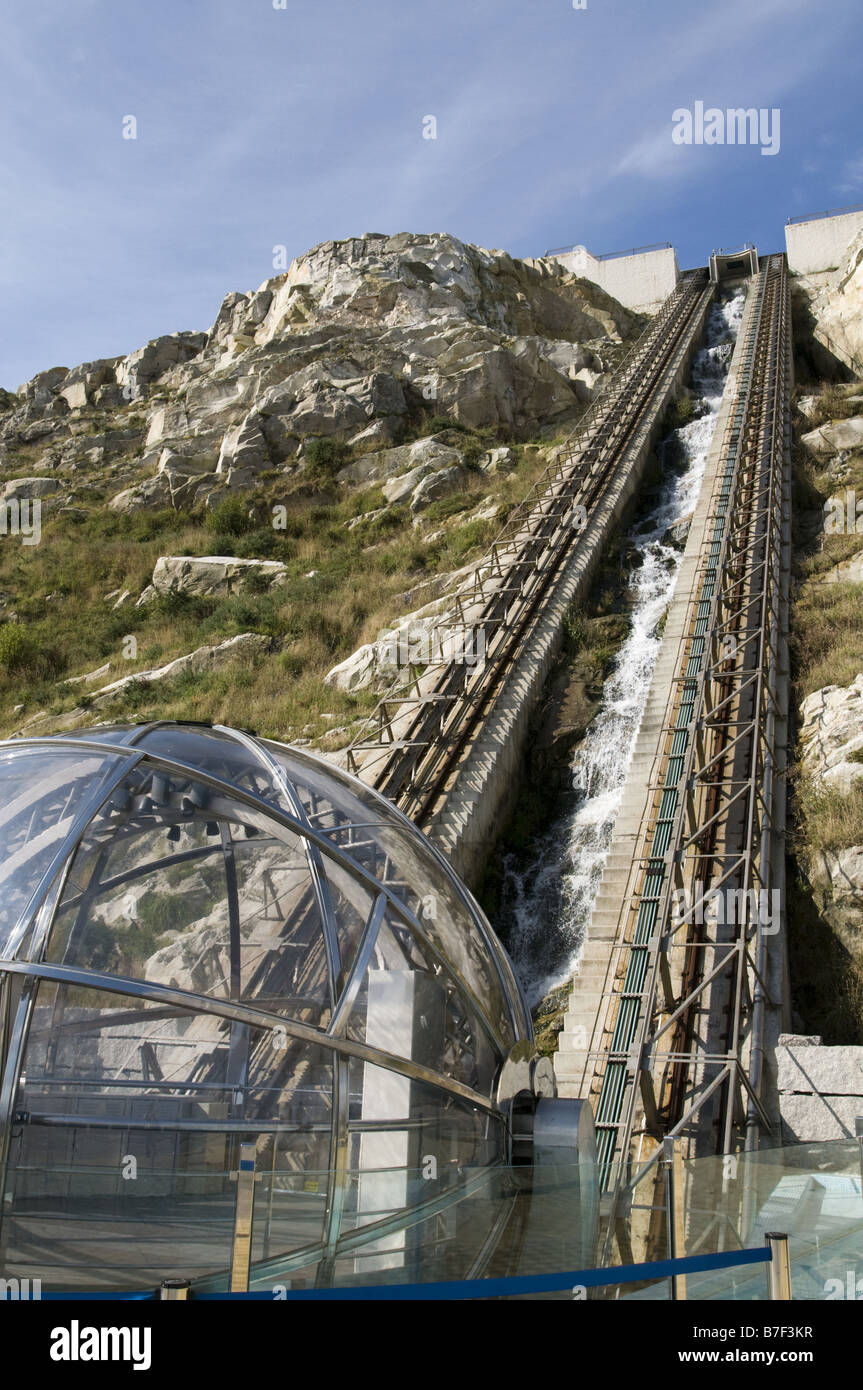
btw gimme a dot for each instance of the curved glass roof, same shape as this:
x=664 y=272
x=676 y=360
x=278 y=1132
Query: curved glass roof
x=209 y=939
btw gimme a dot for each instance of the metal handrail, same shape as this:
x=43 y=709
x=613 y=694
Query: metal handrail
x=829 y=212
x=612 y=255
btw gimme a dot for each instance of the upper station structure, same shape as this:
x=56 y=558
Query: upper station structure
x=644 y=277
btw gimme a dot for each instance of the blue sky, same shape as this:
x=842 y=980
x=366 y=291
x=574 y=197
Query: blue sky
x=259 y=126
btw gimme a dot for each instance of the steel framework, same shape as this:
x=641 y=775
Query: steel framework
x=413 y=740
x=663 y=1061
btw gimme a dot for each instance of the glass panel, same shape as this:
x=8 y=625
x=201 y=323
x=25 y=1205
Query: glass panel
x=104 y=1055
x=103 y=733
x=329 y=797
x=444 y=1245
x=214 y=753
x=446 y=915
x=182 y=886
x=408 y=1006
x=494 y=1222
x=43 y=791
x=349 y=905
x=409 y=1144
x=372 y=832
x=130 y=1118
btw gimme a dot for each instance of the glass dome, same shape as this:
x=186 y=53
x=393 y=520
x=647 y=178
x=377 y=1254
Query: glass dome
x=221 y=957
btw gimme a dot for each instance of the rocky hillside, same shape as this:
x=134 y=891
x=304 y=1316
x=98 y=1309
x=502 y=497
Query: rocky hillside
x=838 y=307
x=207 y=527
x=827 y=658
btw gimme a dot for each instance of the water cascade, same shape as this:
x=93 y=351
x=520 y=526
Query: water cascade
x=547 y=902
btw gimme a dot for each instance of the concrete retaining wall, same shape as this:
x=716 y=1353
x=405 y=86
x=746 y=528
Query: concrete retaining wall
x=821 y=243
x=641 y=282
x=483 y=793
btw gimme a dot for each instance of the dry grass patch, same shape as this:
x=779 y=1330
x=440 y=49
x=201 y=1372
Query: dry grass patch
x=828 y=820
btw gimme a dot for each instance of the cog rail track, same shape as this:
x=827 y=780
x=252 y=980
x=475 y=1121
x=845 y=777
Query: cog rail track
x=416 y=737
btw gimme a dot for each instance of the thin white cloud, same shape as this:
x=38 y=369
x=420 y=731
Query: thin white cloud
x=851 y=181
x=653 y=156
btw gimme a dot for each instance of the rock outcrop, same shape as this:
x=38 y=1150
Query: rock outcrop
x=246 y=646
x=355 y=340
x=835 y=437
x=838 y=306
x=848 y=571
x=831 y=734
x=207 y=576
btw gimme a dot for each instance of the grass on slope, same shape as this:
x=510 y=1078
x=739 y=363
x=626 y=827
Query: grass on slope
x=344 y=586
x=826 y=649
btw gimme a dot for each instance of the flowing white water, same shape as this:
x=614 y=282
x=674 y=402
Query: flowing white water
x=547 y=904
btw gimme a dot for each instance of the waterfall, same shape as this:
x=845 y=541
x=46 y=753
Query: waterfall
x=546 y=904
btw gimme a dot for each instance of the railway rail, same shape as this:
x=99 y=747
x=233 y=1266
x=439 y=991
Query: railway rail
x=414 y=740
x=678 y=1045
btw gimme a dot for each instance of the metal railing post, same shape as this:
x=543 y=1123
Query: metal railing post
x=779 y=1268
x=668 y=1164
x=172 y=1289
x=674 y=1215
x=858 y=1130
x=245 y=1211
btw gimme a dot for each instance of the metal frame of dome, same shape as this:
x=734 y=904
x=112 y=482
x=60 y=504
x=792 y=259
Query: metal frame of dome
x=507 y=1031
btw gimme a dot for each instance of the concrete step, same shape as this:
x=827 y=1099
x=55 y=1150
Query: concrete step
x=573 y=1068
x=568 y=1090
x=606 y=916
x=592 y=969
x=612 y=886
x=583 y=1002
x=592 y=983
x=603 y=935
x=595 y=954
x=573 y=1082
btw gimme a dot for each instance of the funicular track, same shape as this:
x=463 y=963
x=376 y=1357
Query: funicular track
x=417 y=735
x=678 y=1045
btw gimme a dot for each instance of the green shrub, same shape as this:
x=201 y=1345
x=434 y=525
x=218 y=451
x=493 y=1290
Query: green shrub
x=292 y=663
x=230 y=518
x=473 y=535
x=18 y=649
x=832 y=404
x=679 y=412
x=324 y=458
x=175 y=604
x=472 y=452
x=264 y=544
x=574 y=631
x=438 y=423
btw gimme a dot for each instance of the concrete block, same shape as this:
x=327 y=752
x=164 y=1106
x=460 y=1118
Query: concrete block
x=829 y=1071
x=809 y=1119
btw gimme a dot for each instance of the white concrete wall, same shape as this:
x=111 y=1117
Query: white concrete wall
x=821 y=243
x=641 y=282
